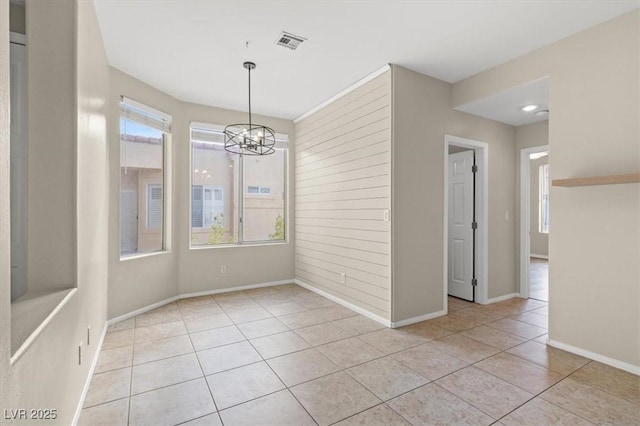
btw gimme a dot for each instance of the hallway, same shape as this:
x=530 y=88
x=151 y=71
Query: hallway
x=539 y=279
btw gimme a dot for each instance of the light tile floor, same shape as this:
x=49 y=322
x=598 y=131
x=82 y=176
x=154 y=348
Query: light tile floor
x=539 y=278
x=286 y=356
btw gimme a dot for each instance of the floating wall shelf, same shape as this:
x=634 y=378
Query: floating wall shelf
x=598 y=180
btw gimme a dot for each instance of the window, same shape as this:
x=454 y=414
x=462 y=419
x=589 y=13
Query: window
x=207 y=205
x=143 y=136
x=258 y=190
x=543 y=199
x=221 y=211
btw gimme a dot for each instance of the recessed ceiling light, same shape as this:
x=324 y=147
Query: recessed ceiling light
x=529 y=108
x=542 y=112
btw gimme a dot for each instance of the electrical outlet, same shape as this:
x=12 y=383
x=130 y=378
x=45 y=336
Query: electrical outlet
x=386 y=215
x=80 y=353
x=223 y=269
x=506 y=215
x=343 y=278
x=88 y=335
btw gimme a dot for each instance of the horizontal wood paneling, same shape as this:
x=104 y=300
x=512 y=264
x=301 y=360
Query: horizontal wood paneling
x=343 y=189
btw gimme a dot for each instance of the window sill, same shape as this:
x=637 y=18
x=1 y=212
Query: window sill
x=227 y=246
x=143 y=255
x=30 y=316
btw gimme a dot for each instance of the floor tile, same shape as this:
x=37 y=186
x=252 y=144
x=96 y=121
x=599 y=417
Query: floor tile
x=158 y=317
x=540 y=412
x=109 y=386
x=313 y=301
x=524 y=304
x=302 y=366
x=386 y=378
x=454 y=322
x=208 y=420
x=380 y=415
x=554 y=359
x=216 y=337
x=538 y=320
x=429 y=361
x=333 y=313
x=432 y=405
x=115 y=413
x=276 y=409
x=484 y=391
x=466 y=349
x=122 y=325
x=517 y=328
x=160 y=331
x=478 y=316
x=498 y=309
x=112 y=359
x=358 y=325
x=333 y=398
x=227 y=357
x=592 y=404
x=349 y=352
x=493 y=337
x=172 y=405
x=615 y=381
x=302 y=319
x=118 y=339
x=285 y=308
x=261 y=328
x=160 y=349
x=190 y=302
x=247 y=315
x=165 y=372
x=243 y=384
x=320 y=334
x=522 y=373
x=208 y=322
x=389 y=341
x=426 y=329
x=279 y=344
x=201 y=311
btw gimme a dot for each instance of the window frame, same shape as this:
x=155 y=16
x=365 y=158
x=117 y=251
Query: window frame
x=283 y=141
x=163 y=123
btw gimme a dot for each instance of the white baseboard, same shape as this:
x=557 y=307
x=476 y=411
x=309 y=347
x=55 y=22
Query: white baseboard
x=539 y=256
x=420 y=318
x=633 y=369
x=87 y=383
x=188 y=295
x=502 y=298
x=344 y=303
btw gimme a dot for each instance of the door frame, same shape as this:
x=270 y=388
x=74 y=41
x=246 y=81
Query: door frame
x=482 y=204
x=525 y=215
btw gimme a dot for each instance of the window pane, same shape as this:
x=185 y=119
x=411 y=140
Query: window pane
x=264 y=211
x=141 y=188
x=214 y=212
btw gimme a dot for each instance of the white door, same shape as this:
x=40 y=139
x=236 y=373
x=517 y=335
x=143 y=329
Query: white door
x=18 y=170
x=460 y=232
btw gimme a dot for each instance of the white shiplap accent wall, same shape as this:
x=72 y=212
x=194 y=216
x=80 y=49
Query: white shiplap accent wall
x=343 y=188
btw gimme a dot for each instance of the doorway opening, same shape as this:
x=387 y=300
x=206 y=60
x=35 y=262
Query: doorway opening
x=465 y=220
x=534 y=223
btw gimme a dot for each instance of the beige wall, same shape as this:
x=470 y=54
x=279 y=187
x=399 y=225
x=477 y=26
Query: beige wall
x=593 y=130
x=48 y=374
x=343 y=187
x=539 y=241
x=138 y=282
x=422 y=116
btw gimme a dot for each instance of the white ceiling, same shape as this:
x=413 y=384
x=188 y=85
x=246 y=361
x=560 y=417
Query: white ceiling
x=194 y=49
x=506 y=106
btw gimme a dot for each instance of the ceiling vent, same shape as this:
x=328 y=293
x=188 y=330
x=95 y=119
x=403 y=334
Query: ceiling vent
x=289 y=41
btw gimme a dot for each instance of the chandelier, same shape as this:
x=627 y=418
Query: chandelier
x=249 y=138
